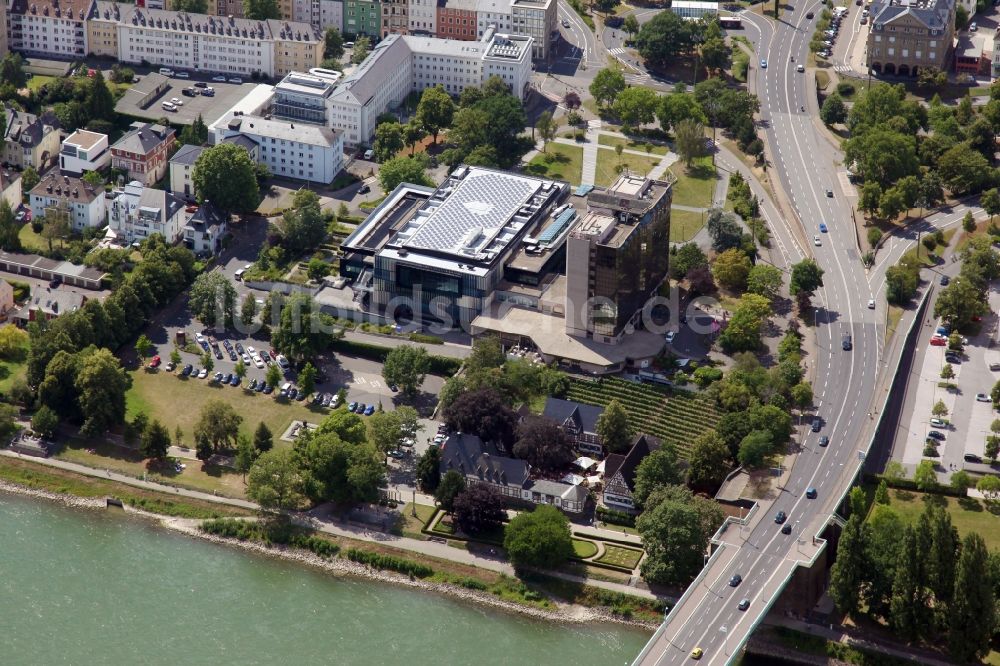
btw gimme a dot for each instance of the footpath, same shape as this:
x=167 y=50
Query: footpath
x=484 y=560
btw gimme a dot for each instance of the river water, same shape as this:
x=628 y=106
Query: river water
x=89 y=587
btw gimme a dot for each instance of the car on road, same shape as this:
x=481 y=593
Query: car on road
x=945 y=280
x=981 y=397
x=816 y=241
x=817 y=424
x=936 y=434
x=973 y=27
x=972 y=457
x=811 y=493
x=994 y=366
x=829 y=193
x=780 y=517
x=744 y=604
x=735 y=580
x=696 y=653
x=846 y=342
x=822 y=227
x=669 y=337
x=565 y=23
x=800 y=68
x=786 y=528
x=871 y=303
x=824 y=441
x=809 y=15
x=939 y=423
x=763 y=64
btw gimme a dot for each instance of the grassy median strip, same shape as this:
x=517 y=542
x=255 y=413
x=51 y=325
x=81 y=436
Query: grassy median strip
x=40 y=477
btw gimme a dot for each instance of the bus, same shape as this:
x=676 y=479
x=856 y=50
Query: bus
x=731 y=22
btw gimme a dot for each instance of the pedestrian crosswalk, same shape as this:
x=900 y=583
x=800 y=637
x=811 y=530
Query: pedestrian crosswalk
x=618 y=50
x=845 y=69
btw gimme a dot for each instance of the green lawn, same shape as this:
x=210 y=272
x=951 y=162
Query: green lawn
x=967 y=514
x=411 y=525
x=30 y=240
x=39 y=80
x=560 y=161
x=607 y=161
x=584 y=549
x=12 y=369
x=694 y=186
x=684 y=224
x=176 y=401
x=631 y=144
x=627 y=558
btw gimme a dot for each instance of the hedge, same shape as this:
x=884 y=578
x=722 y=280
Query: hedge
x=439 y=365
x=22 y=290
x=378 y=561
x=910 y=484
x=615 y=517
x=248 y=531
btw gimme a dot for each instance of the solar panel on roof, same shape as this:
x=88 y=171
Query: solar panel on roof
x=557 y=227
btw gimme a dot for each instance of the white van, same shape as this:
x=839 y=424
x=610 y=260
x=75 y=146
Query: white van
x=169 y=106
x=166 y=71
x=240 y=273
x=369 y=154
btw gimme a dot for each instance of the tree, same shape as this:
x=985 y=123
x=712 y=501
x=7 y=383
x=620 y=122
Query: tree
x=847 y=573
x=263 y=441
x=9 y=229
x=45 y=422
x=547 y=128
x=708 y=461
x=908 y=603
x=225 y=175
x=413 y=133
x=362 y=46
x=743 y=331
x=731 y=268
x=961 y=481
x=664 y=37
x=636 y=106
x=384 y=431
x=675 y=528
x=882 y=493
x=100 y=103
x=658 y=469
x=342 y=472
x=248 y=310
x=764 y=280
x=100 y=387
x=303 y=331
x=333 y=44
x=833 y=110
x=806 y=278
x=543 y=444
x=143 y=345
x=389 y=140
x=801 y=395
x=55 y=225
x=969 y=222
x=195 y=134
x=435 y=110
x=404 y=170
x=724 y=230
x=348 y=427
x=540 y=538
x=272 y=375
x=901 y=284
x=246 y=455
x=572 y=101
x=429 y=470
x=261 y=10
x=29 y=178
x=715 y=54
x=925 y=477
x=613 y=428
x=606 y=86
x=276 y=482
x=972 y=614
x=685 y=257
x=689 y=135
x=959 y=302
x=406 y=366
x=12 y=71
x=631 y=25
x=947 y=372
x=989 y=486
x=207 y=362
x=451 y=485
x=303 y=227
x=755 y=449
x=939 y=409
x=213 y=299
x=155 y=441
x=479 y=509
x=483 y=413
x=218 y=424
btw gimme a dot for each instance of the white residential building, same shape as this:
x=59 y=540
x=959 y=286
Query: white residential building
x=182 y=169
x=204 y=232
x=61 y=194
x=84 y=151
x=204 y=43
x=494 y=13
x=290 y=149
x=331 y=14
x=137 y=212
x=422 y=15
x=55 y=28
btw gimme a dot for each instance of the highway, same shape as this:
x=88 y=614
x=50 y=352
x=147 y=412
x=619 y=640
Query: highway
x=707 y=616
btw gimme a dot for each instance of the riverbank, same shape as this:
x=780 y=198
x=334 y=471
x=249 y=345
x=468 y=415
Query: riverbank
x=495 y=590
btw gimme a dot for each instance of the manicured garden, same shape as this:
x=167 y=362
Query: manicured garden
x=627 y=558
x=560 y=161
x=608 y=162
x=584 y=549
x=678 y=417
x=632 y=144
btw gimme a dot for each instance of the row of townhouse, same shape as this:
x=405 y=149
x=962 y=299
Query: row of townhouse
x=176 y=39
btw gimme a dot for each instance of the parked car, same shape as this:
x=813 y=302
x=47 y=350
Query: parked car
x=293 y=393
x=364 y=189
x=235 y=79
x=155 y=362
x=200 y=84
x=235 y=381
x=938 y=341
x=182 y=75
x=981 y=397
x=268 y=389
x=186 y=370
x=252 y=385
x=219 y=79
x=972 y=458
x=352 y=407
x=936 y=434
x=994 y=366
x=208 y=92
x=202 y=373
x=938 y=423
x=669 y=337
x=361 y=408
x=282 y=361
x=169 y=367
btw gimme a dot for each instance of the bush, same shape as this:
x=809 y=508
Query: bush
x=615 y=517
x=22 y=290
x=845 y=88
x=874 y=236
x=248 y=531
x=379 y=561
x=439 y=365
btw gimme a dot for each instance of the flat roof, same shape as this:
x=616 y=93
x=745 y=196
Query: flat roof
x=398 y=207
x=84 y=139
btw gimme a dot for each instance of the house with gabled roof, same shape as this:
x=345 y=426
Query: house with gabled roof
x=579 y=421
x=619 y=473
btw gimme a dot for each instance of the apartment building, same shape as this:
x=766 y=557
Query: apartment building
x=908 y=35
x=206 y=43
x=29 y=140
x=182 y=170
x=302 y=151
x=136 y=212
x=362 y=17
x=4 y=27
x=143 y=152
x=102 y=29
x=204 y=232
x=494 y=13
x=456 y=19
x=422 y=15
x=52 y=28
x=331 y=15
x=84 y=151
x=57 y=194
x=395 y=17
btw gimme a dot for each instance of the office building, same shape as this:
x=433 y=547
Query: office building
x=536 y=19
x=84 y=151
x=694 y=9
x=136 y=212
x=908 y=35
x=51 y=28
x=81 y=203
x=143 y=152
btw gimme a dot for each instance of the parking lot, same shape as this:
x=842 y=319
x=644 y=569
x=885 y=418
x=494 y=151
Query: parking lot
x=968 y=419
x=210 y=108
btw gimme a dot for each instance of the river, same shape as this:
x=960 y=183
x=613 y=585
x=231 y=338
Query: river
x=91 y=587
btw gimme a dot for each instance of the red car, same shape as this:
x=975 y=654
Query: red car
x=271 y=352
x=155 y=363
x=938 y=341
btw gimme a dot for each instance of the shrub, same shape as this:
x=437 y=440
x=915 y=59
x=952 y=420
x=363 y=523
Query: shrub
x=874 y=236
x=379 y=561
x=845 y=88
x=615 y=517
